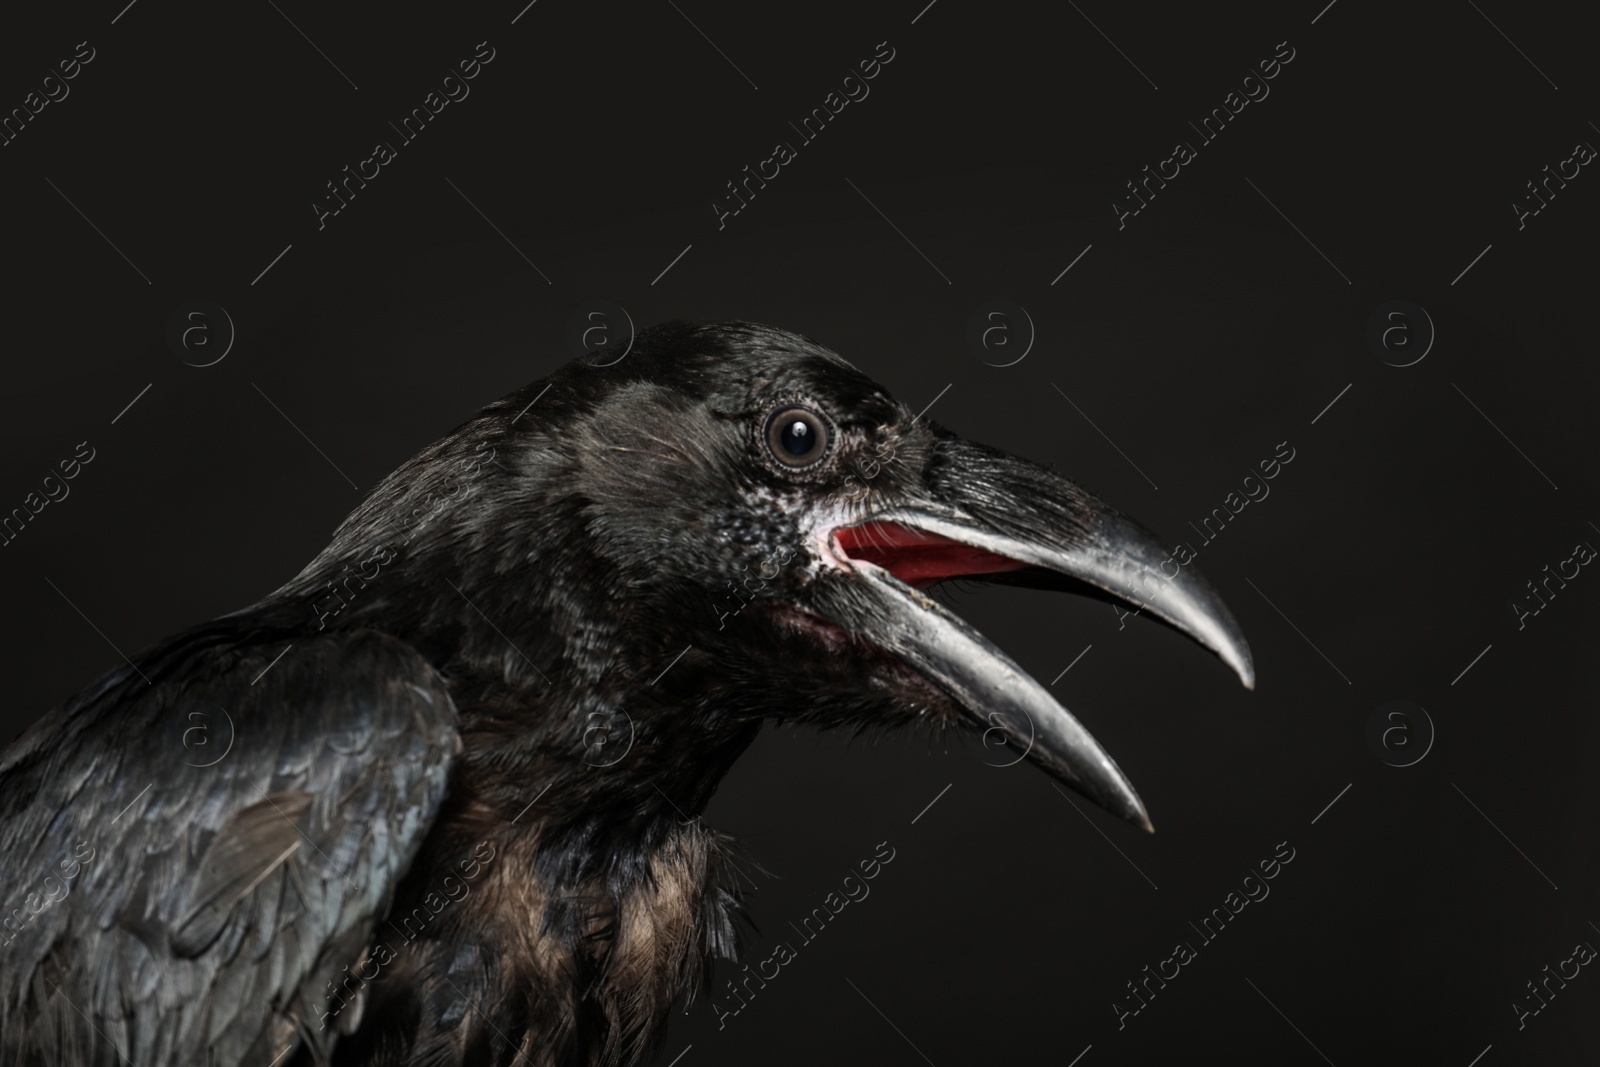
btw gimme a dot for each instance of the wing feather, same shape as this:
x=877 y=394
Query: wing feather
x=197 y=857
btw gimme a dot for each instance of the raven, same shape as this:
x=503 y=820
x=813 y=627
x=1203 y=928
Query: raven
x=436 y=799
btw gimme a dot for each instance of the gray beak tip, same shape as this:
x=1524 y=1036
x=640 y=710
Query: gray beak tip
x=1116 y=794
x=1245 y=669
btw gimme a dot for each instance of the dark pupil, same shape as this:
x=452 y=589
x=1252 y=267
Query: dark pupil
x=798 y=437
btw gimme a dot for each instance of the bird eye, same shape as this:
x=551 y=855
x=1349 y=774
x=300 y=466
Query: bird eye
x=797 y=437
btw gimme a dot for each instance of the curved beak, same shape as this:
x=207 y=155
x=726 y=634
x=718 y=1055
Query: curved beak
x=983 y=514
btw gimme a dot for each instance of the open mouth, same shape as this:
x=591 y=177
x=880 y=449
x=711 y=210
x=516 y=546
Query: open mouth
x=917 y=557
x=888 y=560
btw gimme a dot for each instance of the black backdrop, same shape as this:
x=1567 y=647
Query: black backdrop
x=1185 y=344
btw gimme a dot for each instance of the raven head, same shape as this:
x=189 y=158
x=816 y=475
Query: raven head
x=753 y=501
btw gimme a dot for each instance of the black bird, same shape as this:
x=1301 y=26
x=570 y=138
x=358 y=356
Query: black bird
x=435 y=800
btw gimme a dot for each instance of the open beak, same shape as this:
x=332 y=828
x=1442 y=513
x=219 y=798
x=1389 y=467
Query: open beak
x=983 y=514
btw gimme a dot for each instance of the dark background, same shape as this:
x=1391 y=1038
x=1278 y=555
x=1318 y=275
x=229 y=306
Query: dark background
x=1197 y=338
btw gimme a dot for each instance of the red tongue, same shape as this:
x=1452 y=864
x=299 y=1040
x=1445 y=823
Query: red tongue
x=918 y=558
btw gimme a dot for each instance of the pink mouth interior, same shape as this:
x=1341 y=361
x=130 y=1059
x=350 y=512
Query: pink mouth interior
x=916 y=557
